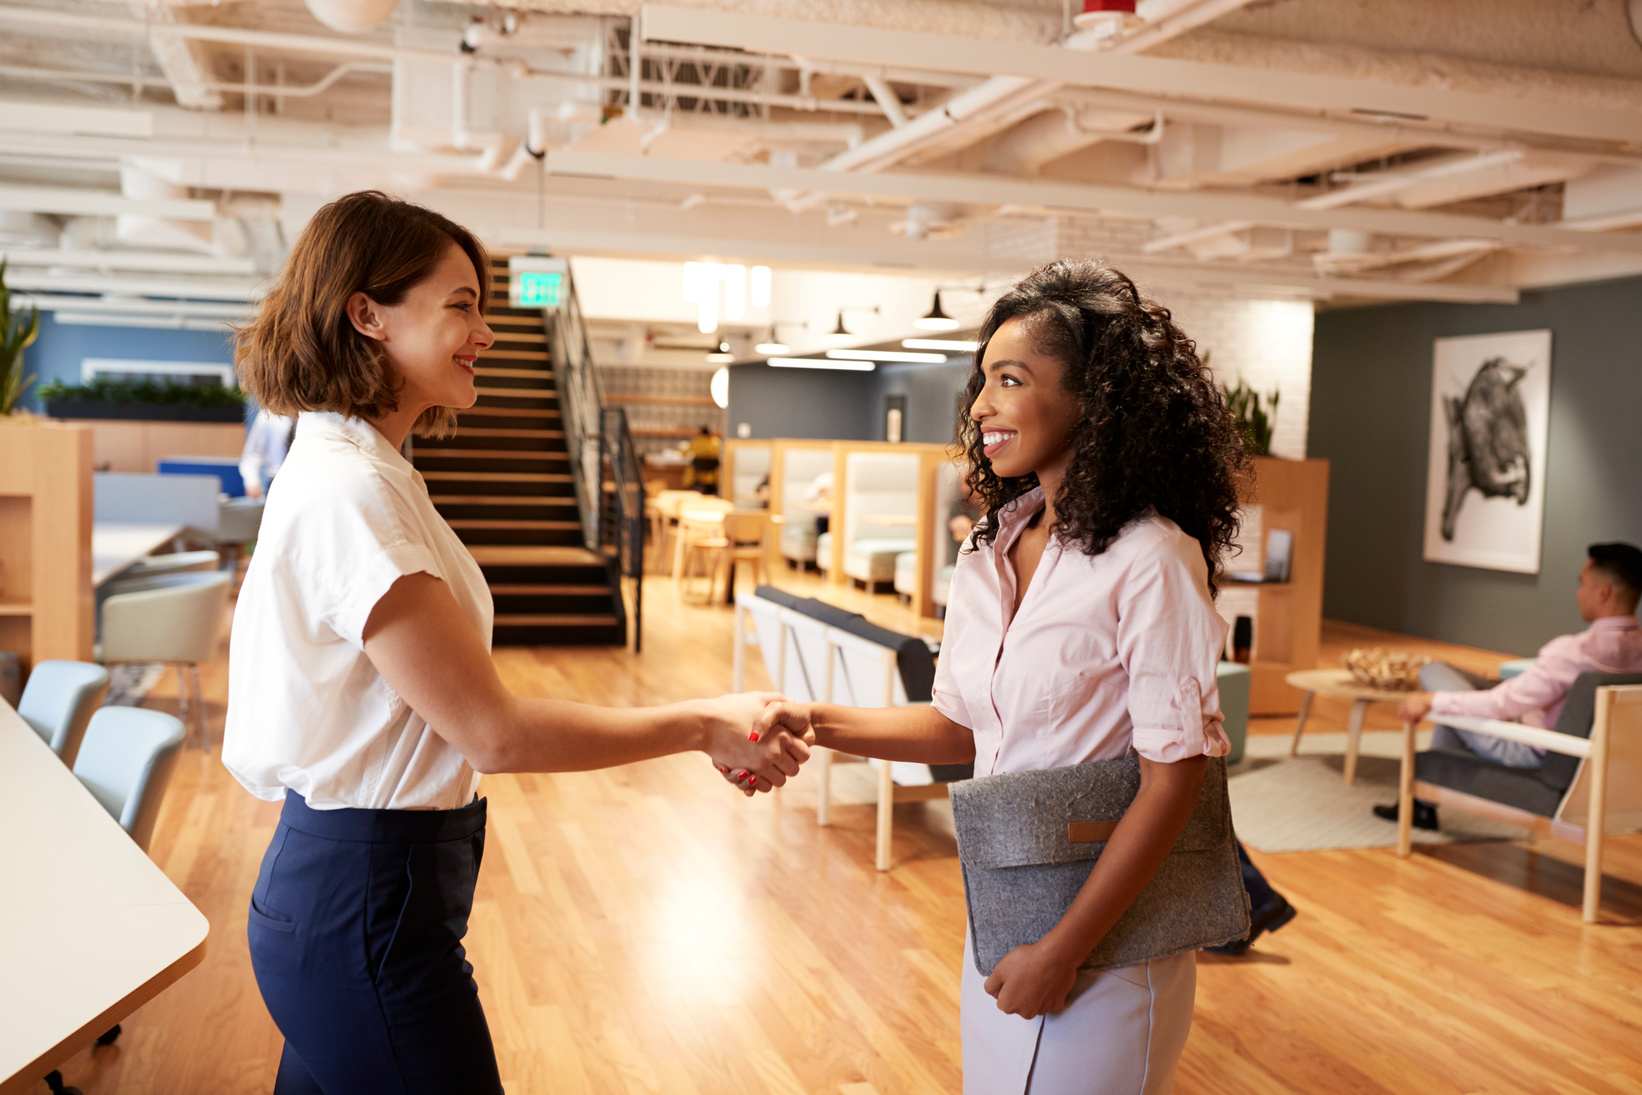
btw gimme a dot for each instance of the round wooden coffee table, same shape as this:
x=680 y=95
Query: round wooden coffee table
x=1339 y=682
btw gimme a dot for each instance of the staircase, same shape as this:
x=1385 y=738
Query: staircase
x=504 y=484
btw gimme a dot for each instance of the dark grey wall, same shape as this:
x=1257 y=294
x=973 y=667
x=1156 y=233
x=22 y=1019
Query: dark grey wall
x=932 y=393
x=846 y=406
x=805 y=403
x=1370 y=414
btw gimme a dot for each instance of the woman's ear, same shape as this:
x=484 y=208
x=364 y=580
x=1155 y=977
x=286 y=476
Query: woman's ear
x=366 y=317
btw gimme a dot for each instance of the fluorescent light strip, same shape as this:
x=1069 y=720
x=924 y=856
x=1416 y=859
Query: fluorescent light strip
x=776 y=348
x=957 y=344
x=887 y=355
x=821 y=363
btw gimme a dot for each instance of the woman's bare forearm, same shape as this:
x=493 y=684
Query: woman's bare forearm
x=1168 y=793
x=917 y=733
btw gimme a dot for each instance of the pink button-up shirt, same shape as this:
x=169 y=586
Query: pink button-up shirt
x=1108 y=652
x=1612 y=644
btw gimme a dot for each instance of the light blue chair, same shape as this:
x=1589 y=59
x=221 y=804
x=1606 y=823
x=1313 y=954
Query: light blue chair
x=1234 y=705
x=1514 y=668
x=58 y=702
x=126 y=762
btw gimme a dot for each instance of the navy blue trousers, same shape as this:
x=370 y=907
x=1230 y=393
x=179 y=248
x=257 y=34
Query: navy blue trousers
x=356 y=930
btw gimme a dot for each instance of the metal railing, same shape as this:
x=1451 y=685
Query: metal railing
x=604 y=463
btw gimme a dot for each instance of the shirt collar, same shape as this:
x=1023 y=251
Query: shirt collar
x=1014 y=517
x=1615 y=623
x=355 y=431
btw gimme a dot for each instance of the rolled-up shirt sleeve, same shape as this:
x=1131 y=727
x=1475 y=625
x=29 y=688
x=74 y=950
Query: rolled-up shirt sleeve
x=1169 y=641
x=1524 y=697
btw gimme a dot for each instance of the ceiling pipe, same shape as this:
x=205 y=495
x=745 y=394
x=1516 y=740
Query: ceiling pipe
x=886 y=98
x=1394 y=181
x=998 y=97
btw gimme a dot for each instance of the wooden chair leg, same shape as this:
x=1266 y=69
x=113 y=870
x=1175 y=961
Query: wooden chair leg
x=1405 y=795
x=886 y=812
x=1300 y=724
x=1596 y=812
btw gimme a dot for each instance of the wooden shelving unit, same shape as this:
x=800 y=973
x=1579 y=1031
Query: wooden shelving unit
x=45 y=540
x=1293 y=496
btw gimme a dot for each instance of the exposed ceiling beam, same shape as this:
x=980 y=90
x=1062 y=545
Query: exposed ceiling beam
x=178 y=60
x=150 y=261
x=1164 y=77
x=101 y=203
x=59 y=118
x=179 y=288
x=980 y=190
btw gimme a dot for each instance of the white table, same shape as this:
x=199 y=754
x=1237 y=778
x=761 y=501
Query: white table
x=90 y=928
x=115 y=545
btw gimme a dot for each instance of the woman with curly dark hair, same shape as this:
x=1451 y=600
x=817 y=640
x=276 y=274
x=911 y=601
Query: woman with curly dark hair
x=1080 y=627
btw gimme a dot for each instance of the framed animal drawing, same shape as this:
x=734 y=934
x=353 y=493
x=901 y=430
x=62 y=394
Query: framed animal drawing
x=1485 y=483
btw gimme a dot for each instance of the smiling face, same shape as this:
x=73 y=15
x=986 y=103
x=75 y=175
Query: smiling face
x=1026 y=415
x=432 y=337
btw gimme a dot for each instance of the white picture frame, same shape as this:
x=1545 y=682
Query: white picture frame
x=1485 y=473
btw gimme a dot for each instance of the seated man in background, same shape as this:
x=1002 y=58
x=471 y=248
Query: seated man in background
x=1610 y=585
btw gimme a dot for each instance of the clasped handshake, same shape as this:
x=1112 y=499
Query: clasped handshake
x=758 y=740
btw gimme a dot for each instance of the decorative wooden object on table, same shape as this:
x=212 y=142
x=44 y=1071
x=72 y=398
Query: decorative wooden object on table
x=1338 y=682
x=1292 y=496
x=1393 y=670
x=45 y=540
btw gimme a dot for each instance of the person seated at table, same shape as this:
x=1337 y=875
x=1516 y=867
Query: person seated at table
x=701 y=473
x=1610 y=585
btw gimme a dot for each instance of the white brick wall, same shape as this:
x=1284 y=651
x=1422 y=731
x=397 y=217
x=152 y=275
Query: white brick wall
x=1265 y=342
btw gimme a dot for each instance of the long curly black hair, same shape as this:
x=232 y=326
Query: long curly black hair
x=1156 y=433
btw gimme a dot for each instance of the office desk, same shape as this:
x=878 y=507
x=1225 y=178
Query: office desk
x=115 y=545
x=90 y=928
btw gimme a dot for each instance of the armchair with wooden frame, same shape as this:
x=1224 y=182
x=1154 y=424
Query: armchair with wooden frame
x=1590 y=784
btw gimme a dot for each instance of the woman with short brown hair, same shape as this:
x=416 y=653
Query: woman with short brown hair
x=361 y=691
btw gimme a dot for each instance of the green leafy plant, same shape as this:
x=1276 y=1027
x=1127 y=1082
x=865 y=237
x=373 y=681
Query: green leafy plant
x=145 y=391
x=16 y=332
x=1251 y=410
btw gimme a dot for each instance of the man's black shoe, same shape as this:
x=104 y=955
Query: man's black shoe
x=1267 y=919
x=1425 y=814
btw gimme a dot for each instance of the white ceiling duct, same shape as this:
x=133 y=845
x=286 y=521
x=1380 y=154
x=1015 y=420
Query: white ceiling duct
x=352 y=16
x=144 y=231
x=20 y=228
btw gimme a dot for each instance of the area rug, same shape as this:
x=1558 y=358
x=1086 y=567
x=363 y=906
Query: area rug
x=1302 y=804
x=128 y=685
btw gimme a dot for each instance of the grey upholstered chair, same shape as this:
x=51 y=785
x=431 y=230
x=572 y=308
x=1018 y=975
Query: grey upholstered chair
x=1590 y=783
x=126 y=763
x=58 y=702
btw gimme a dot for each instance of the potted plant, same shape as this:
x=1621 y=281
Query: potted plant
x=16 y=332
x=145 y=400
x=1251 y=410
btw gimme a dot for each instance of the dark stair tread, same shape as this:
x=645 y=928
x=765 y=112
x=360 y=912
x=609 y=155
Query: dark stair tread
x=499 y=476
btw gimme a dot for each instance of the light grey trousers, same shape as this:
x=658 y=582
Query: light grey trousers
x=1442 y=677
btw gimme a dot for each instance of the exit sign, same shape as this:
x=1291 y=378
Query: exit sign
x=535 y=281
x=539 y=290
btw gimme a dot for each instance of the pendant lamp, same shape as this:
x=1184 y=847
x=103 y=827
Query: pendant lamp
x=937 y=319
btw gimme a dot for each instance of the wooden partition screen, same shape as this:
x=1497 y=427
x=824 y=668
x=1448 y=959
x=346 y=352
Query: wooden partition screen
x=45 y=541
x=1292 y=496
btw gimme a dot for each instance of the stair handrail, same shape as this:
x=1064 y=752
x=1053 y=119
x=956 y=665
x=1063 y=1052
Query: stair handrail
x=605 y=468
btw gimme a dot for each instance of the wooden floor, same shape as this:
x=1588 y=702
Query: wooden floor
x=645 y=930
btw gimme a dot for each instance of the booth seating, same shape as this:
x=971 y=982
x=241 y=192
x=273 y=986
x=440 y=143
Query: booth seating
x=906 y=578
x=816 y=651
x=1589 y=785
x=878 y=501
x=800 y=467
x=749 y=467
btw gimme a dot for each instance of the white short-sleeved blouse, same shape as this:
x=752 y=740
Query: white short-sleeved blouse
x=1108 y=652
x=345 y=519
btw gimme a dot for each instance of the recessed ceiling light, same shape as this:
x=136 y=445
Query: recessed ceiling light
x=886 y=355
x=957 y=345
x=821 y=363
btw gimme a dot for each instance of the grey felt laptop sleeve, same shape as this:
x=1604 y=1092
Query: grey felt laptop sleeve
x=1028 y=840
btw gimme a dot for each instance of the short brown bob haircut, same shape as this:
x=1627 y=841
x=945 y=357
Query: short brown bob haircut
x=301 y=352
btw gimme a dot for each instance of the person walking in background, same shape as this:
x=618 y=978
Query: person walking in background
x=266 y=443
x=1610 y=586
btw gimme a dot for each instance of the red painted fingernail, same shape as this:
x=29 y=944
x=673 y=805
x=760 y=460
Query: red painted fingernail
x=753 y=736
